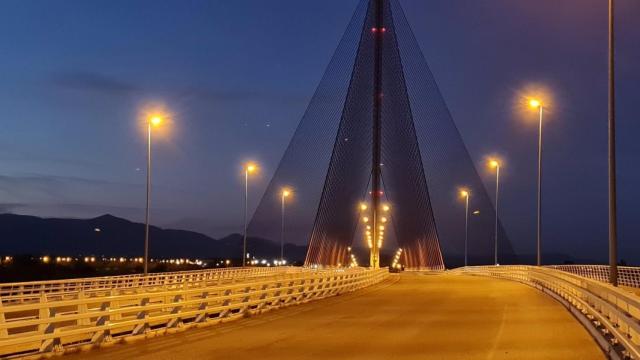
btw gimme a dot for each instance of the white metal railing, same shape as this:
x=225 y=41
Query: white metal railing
x=58 y=289
x=627 y=275
x=611 y=314
x=95 y=316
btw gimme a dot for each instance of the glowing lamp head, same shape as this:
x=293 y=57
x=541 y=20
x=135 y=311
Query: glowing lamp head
x=286 y=192
x=386 y=207
x=534 y=103
x=155 y=120
x=251 y=167
x=464 y=193
x=363 y=206
x=494 y=163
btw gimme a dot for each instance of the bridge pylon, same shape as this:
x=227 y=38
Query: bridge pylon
x=376 y=150
x=378 y=131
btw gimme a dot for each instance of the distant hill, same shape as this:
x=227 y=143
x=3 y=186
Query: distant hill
x=22 y=234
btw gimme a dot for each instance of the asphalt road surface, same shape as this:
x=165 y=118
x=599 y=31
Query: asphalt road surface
x=410 y=316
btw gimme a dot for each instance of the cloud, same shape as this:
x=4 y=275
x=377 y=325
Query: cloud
x=37 y=188
x=96 y=82
x=52 y=195
x=44 y=179
x=21 y=155
x=68 y=196
x=92 y=81
x=11 y=207
x=230 y=96
x=73 y=210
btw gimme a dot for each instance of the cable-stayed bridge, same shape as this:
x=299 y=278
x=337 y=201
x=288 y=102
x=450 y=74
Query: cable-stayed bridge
x=506 y=311
x=378 y=157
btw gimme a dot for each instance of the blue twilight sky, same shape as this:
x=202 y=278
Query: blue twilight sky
x=236 y=76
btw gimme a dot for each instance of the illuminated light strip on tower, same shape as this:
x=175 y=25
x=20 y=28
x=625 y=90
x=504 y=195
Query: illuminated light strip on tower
x=354 y=262
x=396 y=260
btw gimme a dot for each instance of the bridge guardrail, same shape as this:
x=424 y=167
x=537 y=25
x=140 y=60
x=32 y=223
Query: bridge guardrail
x=611 y=314
x=57 y=289
x=101 y=316
x=627 y=275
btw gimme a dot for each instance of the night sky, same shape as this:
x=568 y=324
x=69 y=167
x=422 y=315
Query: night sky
x=236 y=76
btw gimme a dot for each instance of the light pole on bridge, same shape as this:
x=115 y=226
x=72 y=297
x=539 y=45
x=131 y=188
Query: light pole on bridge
x=613 y=229
x=152 y=121
x=248 y=169
x=285 y=193
x=465 y=195
x=495 y=164
x=537 y=104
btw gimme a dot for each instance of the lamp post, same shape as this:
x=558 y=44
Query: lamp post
x=496 y=165
x=248 y=169
x=153 y=121
x=613 y=230
x=465 y=195
x=536 y=104
x=285 y=193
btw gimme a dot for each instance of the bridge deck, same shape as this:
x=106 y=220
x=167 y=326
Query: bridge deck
x=411 y=316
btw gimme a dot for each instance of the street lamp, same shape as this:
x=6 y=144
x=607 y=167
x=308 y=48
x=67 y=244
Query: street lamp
x=152 y=121
x=285 y=193
x=495 y=164
x=249 y=168
x=613 y=217
x=536 y=104
x=465 y=195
